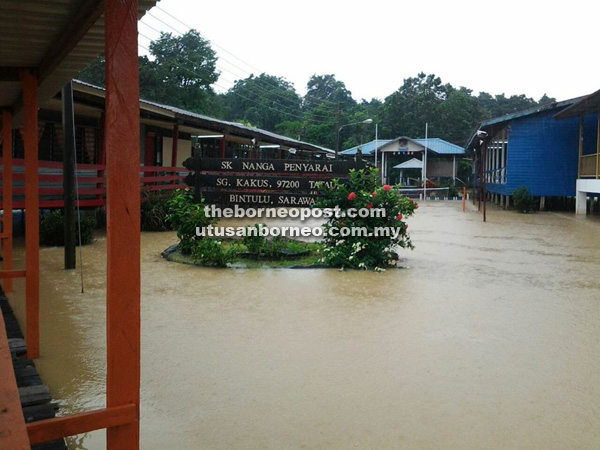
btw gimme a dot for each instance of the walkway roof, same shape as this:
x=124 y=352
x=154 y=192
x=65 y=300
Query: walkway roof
x=193 y=123
x=55 y=38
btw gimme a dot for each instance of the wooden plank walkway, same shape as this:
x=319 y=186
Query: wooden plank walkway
x=35 y=399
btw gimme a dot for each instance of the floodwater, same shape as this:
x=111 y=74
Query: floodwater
x=489 y=339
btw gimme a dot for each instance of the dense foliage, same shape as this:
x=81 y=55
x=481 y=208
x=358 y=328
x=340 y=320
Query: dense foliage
x=363 y=190
x=184 y=216
x=154 y=212
x=524 y=202
x=52 y=228
x=181 y=71
x=212 y=253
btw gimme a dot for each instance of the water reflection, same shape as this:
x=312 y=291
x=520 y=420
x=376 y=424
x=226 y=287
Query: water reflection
x=489 y=340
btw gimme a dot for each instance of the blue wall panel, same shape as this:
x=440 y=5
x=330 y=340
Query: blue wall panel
x=543 y=155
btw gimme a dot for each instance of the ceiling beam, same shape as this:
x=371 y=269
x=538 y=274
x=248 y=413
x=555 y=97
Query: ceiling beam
x=88 y=13
x=11 y=73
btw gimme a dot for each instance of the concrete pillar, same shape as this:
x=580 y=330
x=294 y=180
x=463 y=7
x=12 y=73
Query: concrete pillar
x=542 y=203
x=581 y=203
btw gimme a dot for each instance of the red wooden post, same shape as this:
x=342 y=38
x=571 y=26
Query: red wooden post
x=7 y=162
x=175 y=145
x=223 y=147
x=32 y=224
x=102 y=155
x=123 y=216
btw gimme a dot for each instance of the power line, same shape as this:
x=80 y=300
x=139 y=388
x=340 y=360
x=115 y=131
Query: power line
x=331 y=105
x=236 y=93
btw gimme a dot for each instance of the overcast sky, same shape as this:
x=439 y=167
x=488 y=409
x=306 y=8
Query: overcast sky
x=511 y=47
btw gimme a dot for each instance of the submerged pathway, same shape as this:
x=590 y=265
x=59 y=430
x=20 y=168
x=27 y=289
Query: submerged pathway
x=35 y=396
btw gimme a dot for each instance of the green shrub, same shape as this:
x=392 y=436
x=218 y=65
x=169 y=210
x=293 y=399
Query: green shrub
x=363 y=190
x=211 y=252
x=524 y=202
x=154 y=212
x=52 y=228
x=253 y=241
x=185 y=214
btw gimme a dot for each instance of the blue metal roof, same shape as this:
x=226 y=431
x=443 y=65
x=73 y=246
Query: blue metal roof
x=436 y=145
x=441 y=146
x=368 y=148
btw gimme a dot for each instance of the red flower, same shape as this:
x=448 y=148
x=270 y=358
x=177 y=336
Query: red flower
x=406 y=226
x=351 y=196
x=386 y=187
x=411 y=200
x=416 y=206
x=399 y=217
x=373 y=194
x=370 y=205
x=342 y=224
x=193 y=213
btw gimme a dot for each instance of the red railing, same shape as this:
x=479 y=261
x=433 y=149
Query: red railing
x=91 y=183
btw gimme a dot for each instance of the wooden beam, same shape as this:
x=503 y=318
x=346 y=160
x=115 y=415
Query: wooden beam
x=7 y=196
x=13 y=434
x=175 y=145
x=122 y=140
x=87 y=14
x=32 y=212
x=59 y=427
x=11 y=73
x=10 y=274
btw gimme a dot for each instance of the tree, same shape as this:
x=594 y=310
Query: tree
x=266 y=101
x=182 y=72
x=179 y=72
x=324 y=91
x=458 y=114
x=415 y=103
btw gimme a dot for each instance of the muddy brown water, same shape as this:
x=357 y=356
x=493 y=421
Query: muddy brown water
x=489 y=339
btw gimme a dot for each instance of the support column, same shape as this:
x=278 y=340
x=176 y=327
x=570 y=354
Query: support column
x=123 y=216
x=580 y=199
x=484 y=182
x=7 y=195
x=542 y=203
x=102 y=156
x=223 y=147
x=175 y=145
x=68 y=124
x=32 y=220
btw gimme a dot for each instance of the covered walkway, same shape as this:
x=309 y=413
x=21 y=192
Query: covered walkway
x=44 y=44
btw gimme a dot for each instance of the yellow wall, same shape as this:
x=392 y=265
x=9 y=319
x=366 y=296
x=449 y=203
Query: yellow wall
x=184 y=151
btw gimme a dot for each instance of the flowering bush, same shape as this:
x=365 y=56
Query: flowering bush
x=363 y=190
x=185 y=214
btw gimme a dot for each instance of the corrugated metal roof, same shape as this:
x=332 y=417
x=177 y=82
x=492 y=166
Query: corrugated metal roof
x=33 y=32
x=587 y=105
x=368 y=148
x=413 y=163
x=519 y=114
x=441 y=146
x=436 y=145
x=528 y=112
x=212 y=124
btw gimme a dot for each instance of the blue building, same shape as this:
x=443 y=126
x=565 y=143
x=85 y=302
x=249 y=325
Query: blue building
x=530 y=148
x=442 y=156
x=587 y=147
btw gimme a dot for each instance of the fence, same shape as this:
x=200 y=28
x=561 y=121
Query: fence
x=91 y=183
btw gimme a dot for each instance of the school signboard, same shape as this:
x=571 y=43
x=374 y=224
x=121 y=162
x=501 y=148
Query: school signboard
x=263 y=182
